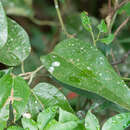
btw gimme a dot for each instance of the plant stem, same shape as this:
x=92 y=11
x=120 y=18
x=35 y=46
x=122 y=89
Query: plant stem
x=43 y=23
x=98 y=37
x=61 y=20
x=109 y=5
x=33 y=74
x=92 y=34
x=22 y=67
x=127 y=79
x=121 y=26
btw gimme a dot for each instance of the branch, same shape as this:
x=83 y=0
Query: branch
x=109 y=6
x=61 y=20
x=121 y=26
x=43 y=23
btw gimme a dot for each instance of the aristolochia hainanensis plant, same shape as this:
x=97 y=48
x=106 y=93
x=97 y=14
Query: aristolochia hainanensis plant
x=73 y=62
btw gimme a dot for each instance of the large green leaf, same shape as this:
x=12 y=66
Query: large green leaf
x=29 y=123
x=13 y=89
x=18 y=7
x=3 y=27
x=48 y=96
x=83 y=66
x=17 y=47
x=91 y=122
x=118 y=122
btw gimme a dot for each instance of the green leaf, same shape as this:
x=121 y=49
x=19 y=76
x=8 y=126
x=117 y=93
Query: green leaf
x=3 y=27
x=108 y=40
x=91 y=122
x=17 y=47
x=3 y=125
x=102 y=27
x=18 y=7
x=71 y=125
x=50 y=124
x=34 y=106
x=29 y=123
x=15 y=128
x=45 y=117
x=86 y=21
x=16 y=89
x=65 y=116
x=118 y=122
x=125 y=8
x=49 y=96
x=79 y=64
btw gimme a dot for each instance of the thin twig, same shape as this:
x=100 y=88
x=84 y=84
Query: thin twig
x=33 y=74
x=110 y=19
x=123 y=59
x=43 y=23
x=22 y=67
x=109 y=6
x=126 y=79
x=61 y=20
x=121 y=26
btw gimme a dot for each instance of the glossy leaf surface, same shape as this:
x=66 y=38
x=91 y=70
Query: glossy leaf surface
x=13 y=89
x=83 y=66
x=17 y=47
x=45 y=117
x=71 y=125
x=118 y=122
x=91 y=122
x=3 y=27
x=49 y=96
x=65 y=116
x=29 y=123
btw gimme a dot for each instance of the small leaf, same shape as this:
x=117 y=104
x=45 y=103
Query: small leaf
x=102 y=27
x=18 y=7
x=84 y=67
x=3 y=27
x=45 y=117
x=118 y=122
x=15 y=128
x=108 y=40
x=17 y=47
x=29 y=123
x=65 y=116
x=86 y=21
x=49 y=96
x=13 y=89
x=91 y=122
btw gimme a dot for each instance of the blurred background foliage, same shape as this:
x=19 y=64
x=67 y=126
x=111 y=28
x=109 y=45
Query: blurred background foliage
x=39 y=19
